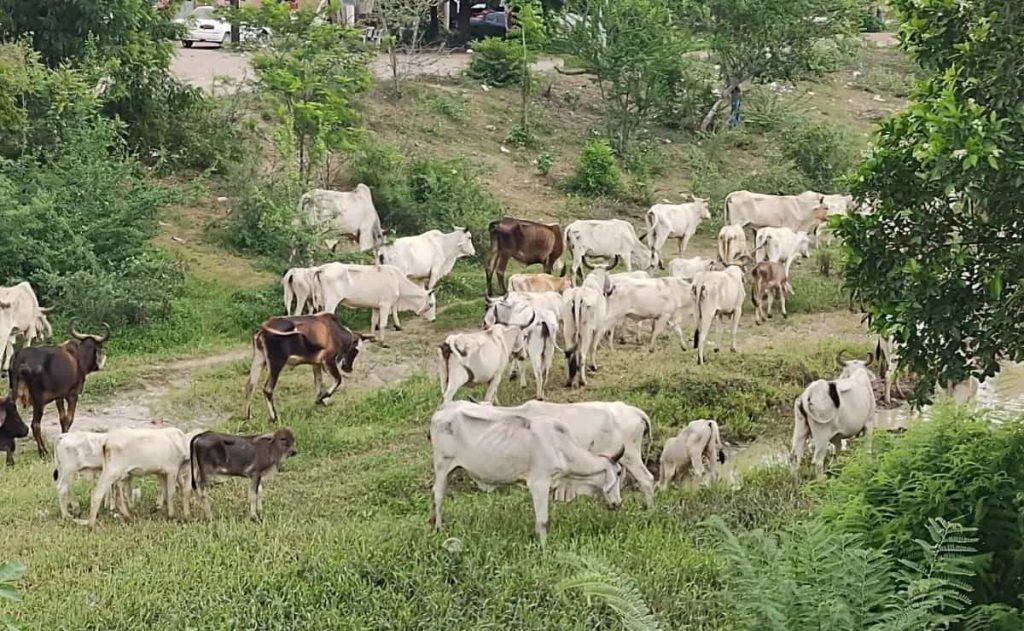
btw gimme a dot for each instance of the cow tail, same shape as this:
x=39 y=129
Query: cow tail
x=833 y=393
x=701 y=297
x=716 y=437
x=647 y=436
x=19 y=384
x=726 y=213
x=445 y=351
x=194 y=465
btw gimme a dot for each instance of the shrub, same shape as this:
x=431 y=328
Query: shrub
x=596 y=171
x=958 y=466
x=779 y=178
x=264 y=219
x=519 y=137
x=822 y=153
x=496 y=61
x=544 y=163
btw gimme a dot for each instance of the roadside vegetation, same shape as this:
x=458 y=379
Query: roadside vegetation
x=171 y=215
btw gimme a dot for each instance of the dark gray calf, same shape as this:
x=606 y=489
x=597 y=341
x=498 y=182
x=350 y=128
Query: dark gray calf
x=11 y=427
x=253 y=457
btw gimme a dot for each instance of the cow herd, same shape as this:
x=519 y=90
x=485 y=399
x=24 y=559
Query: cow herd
x=568 y=449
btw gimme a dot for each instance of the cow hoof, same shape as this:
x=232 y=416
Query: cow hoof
x=716 y=350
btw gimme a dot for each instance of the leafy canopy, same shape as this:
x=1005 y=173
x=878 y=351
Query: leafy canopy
x=941 y=258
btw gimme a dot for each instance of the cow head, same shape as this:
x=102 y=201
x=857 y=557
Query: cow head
x=465 y=242
x=43 y=328
x=348 y=359
x=90 y=348
x=611 y=487
x=429 y=309
x=280 y=443
x=10 y=422
x=855 y=367
x=803 y=244
x=702 y=205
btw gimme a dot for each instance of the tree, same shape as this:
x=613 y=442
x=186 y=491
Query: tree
x=765 y=40
x=636 y=50
x=403 y=21
x=941 y=258
x=310 y=76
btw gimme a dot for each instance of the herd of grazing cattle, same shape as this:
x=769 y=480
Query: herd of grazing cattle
x=571 y=449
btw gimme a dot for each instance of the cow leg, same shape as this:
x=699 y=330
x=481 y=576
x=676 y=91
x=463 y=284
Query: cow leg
x=254 y=495
x=658 y=329
x=441 y=471
x=72 y=400
x=771 y=302
x=820 y=451
x=382 y=321
x=103 y=486
x=502 y=266
x=332 y=368
x=37 y=432
x=782 y=301
x=634 y=464
x=492 y=386
x=697 y=462
x=537 y=363
x=683 y=242
x=62 y=416
x=64 y=480
x=170 y=479
x=492 y=262
x=275 y=366
x=540 y=491
x=735 y=327
x=398 y=323
x=374 y=320
x=666 y=471
x=318 y=384
x=800 y=433
x=255 y=370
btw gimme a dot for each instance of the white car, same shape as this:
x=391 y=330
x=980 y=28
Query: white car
x=203 y=25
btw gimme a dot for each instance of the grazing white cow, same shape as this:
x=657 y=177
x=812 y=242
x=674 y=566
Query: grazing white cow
x=666 y=301
x=698 y=440
x=131 y=452
x=20 y=316
x=830 y=411
x=605 y=237
x=382 y=288
x=479 y=357
x=300 y=295
x=688 y=268
x=583 y=313
x=732 y=244
x=665 y=221
x=604 y=427
x=538 y=338
x=350 y=213
x=537 y=450
x=757 y=210
x=81 y=454
x=781 y=245
x=429 y=257
x=538 y=282
x=717 y=293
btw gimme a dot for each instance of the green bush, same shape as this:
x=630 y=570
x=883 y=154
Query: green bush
x=596 y=171
x=544 y=163
x=264 y=218
x=957 y=466
x=497 y=62
x=823 y=153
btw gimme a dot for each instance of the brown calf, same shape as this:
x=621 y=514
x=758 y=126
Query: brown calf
x=538 y=282
x=11 y=427
x=253 y=457
x=43 y=374
x=528 y=242
x=770 y=280
x=317 y=340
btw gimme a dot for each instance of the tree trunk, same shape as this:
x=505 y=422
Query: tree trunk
x=717 y=106
x=462 y=22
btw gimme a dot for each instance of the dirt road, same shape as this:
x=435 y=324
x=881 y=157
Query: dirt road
x=203 y=66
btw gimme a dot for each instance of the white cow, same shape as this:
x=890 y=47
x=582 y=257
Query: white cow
x=300 y=295
x=583 y=313
x=429 y=257
x=608 y=238
x=781 y=245
x=830 y=411
x=538 y=338
x=688 y=268
x=539 y=451
x=698 y=440
x=732 y=244
x=131 y=452
x=757 y=210
x=665 y=221
x=600 y=278
x=20 y=316
x=81 y=454
x=538 y=282
x=382 y=288
x=604 y=427
x=349 y=213
x=479 y=357
x=666 y=301
x=717 y=293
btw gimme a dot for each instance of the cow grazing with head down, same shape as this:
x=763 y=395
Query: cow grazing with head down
x=538 y=338
x=610 y=238
x=20 y=317
x=348 y=213
x=680 y=221
x=316 y=340
x=428 y=257
x=770 y=281
x=384 y=289
x=528 y=242
x=213 y=454
x=537 y=450
x=11 y=427
x=687 y=269
x=698 y=441
x=829 y=411
x=43 y=374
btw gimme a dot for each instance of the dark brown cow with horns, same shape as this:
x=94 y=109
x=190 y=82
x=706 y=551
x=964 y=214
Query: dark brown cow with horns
x=43 y=374
x=528 y=242
x=317 y=340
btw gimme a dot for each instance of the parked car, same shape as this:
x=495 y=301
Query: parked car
x=203 y=25
x=492 y=24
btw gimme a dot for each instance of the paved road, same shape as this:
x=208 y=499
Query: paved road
x=202 y=66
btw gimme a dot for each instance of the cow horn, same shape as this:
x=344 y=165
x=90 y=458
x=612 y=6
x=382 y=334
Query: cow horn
x=75 y=334
x=613 y=264
x=617 y=456
x=45 y=310
x=105 y=336
x=839 y=356
x=871 y=358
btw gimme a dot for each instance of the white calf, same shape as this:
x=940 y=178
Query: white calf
x=697 y=441
x=717 y=294
x=478 y=358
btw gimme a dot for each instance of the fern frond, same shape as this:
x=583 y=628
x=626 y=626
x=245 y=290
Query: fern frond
x=600 y=581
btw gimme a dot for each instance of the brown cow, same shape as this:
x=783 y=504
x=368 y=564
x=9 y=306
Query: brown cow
x=42 y=374
x=770 y=280
x=253 y=457
x=317 y=340
x=528 y=242
x=538 y=283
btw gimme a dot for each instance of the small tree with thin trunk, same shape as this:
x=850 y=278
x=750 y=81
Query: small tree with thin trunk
x=404 y=22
